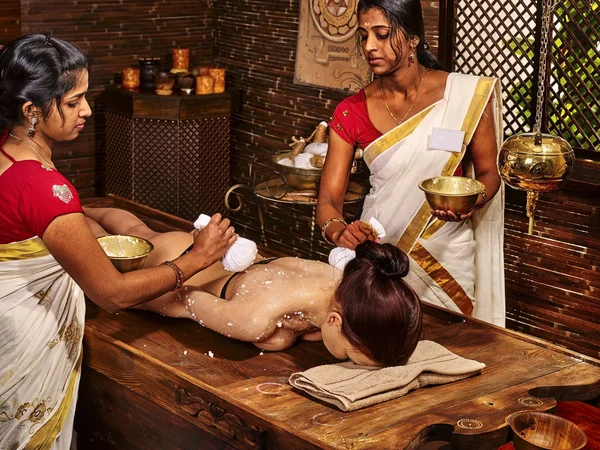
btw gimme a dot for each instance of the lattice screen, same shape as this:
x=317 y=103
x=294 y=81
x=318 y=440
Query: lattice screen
x=497 y=38
x=487 y=34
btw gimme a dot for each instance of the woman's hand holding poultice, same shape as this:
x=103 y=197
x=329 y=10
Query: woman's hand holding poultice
x=211 y=243
x=352 y=235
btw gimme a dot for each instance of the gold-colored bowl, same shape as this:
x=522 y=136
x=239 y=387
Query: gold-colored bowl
x=127 y=253
x=457 y=194
x=298 y=178
x=534 y=430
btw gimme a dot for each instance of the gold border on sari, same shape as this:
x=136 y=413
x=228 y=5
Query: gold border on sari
x=476 y=107
x=443 y=278
x=394 y=136
x=45 y=437
x=28 y=249
x=418 y=226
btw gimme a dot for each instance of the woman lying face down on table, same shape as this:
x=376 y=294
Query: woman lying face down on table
x=366 y=313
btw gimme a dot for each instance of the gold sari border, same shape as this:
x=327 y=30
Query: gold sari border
x=442 y=277
x=478 y=103
x=394 y=136
x=45 y=437
x=28 y=249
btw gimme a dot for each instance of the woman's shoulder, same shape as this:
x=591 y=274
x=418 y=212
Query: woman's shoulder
x=354 y=101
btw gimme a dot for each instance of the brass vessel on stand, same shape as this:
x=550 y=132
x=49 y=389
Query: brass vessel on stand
x=537 y=162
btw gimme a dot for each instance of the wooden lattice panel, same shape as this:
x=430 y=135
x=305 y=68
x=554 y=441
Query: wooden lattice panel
x=119 y=155
x=204 y=166
x=487 y=33
x=180 y=167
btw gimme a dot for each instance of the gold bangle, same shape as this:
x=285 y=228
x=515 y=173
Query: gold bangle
x=326 y=224
x=179 y=277
x=485 y=200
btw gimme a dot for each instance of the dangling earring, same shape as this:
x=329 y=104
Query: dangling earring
x=411 y=56
x=31 y=130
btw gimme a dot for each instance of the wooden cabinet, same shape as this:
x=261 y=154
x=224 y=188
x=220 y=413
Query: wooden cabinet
x=171 y=153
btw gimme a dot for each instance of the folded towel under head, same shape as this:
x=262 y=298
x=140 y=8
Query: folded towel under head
x=351 y=387
x=240 y=255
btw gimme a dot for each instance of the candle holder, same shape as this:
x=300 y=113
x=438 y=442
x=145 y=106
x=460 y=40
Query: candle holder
x=181 y=60
x=130 y=78
x=218 y=73
x=149 y=66
x=205 y=84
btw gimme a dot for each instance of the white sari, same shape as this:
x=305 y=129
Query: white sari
x=458 y=265
x=42 y=312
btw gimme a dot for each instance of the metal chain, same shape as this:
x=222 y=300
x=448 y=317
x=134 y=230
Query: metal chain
x=548 y=7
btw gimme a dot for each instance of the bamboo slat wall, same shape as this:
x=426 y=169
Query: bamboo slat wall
x=553 y=276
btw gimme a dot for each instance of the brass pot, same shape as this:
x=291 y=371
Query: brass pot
x=458 y=194
x=297 y=178
x=127 y=253
x=525 y=165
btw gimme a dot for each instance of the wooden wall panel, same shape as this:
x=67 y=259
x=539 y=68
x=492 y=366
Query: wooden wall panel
x=115 y=33
x=10 y=20
x=553 y=276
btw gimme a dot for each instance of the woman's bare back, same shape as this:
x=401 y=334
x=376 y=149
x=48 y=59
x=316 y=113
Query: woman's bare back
x=270 y=304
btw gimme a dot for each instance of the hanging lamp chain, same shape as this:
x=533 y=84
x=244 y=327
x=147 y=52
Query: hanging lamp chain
x=548 y=7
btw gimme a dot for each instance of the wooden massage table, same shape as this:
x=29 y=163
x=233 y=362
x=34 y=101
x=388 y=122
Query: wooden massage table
x=151 y=382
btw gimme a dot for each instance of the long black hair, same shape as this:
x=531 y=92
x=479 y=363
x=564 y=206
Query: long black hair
x=39 y=69
x=405 y=16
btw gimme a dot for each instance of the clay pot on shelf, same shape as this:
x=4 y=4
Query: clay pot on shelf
x=164 y=83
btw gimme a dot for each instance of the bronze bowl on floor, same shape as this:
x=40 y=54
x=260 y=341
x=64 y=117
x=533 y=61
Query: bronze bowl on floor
x=458 y=194
x=127 y=253
x=534 y=430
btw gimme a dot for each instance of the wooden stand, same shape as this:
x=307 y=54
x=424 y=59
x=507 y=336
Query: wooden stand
x=169 y=152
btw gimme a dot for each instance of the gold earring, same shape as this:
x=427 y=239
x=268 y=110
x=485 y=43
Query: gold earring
x=31 y=130
x=411 y=56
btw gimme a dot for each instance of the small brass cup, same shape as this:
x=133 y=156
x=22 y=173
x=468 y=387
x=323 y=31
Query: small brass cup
x=127 y=253
x=457 y=194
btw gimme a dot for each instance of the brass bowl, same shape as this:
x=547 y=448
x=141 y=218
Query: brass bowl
x=457 y=194
x=127 y=253
x=534 y=430
x=298 y=178
x=525 y=165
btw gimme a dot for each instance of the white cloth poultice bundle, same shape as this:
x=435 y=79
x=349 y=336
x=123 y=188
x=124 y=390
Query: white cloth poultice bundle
x=340 y=256
x=240 y=255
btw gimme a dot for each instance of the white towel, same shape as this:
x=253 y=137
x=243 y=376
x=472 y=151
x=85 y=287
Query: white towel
x=240 y=255
x=340 y=256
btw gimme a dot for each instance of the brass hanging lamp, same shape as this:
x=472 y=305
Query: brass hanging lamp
x=537 y=162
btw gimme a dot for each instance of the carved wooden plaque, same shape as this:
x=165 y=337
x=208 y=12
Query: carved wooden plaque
x=327 y=54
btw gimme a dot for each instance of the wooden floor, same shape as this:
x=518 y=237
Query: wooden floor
x=151 y=382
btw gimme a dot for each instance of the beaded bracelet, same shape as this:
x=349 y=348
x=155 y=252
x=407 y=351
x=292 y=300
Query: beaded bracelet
x=485 y=200
x=179 y=278
x=326 y=224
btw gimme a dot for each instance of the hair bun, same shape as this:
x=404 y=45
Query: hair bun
x=387 y=259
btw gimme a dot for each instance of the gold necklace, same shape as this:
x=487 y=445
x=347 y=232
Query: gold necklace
x=36 y=147
x=411 y=106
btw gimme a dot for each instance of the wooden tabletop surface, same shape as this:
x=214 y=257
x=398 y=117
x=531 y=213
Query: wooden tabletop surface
x=240 y=394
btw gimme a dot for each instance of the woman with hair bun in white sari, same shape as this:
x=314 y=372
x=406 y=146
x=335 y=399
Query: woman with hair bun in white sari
x=414 y=122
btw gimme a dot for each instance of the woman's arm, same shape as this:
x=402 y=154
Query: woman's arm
x=73 y=245
x=332 y=189
x=484 y=151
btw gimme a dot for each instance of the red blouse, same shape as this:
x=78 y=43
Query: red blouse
x=33 y=195
x=351 y=122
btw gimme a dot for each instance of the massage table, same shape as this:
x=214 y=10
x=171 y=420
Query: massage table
x=151 y=382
